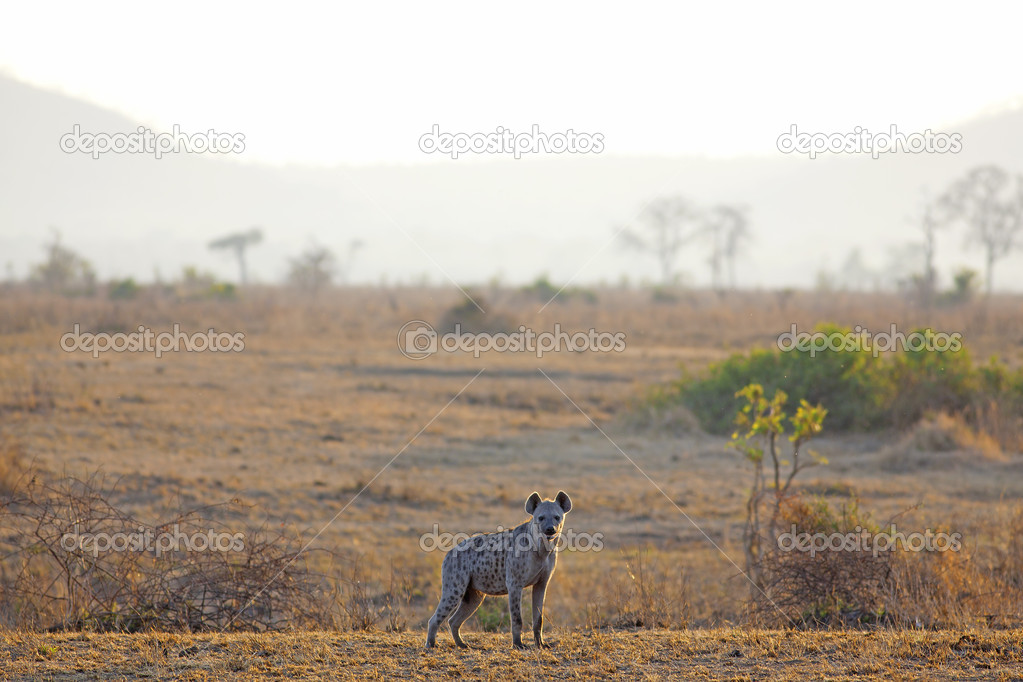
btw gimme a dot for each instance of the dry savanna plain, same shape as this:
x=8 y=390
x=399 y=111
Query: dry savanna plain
x=321 y=432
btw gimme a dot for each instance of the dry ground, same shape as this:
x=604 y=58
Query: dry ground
x=733 y=654
x=321 y=400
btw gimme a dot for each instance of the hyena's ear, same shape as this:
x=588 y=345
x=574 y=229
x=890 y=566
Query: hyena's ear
x=532 y=502
x=564 y=501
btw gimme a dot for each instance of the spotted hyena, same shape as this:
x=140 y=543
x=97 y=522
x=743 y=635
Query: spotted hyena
x=503 y=563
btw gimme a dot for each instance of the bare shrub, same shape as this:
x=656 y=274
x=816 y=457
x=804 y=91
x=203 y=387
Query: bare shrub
x=825 y=587
x=982 y=584
x=940 y=433
x=55 y=575
x=398 y=598
x=356 y=599
x=474 y=315
x=646 y=591
x=969 y=582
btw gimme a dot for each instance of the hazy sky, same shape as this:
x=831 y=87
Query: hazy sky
x=347 y=83
x=342 y=83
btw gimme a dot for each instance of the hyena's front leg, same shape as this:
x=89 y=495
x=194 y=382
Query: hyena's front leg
x=539 y=591
x=515 y=611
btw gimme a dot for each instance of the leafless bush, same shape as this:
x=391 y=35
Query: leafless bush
x=826 y=587
x=964 y=586
x=356 y=600
x=648 y=592
x=54 y=574
x=398 y=598
x=982 y=584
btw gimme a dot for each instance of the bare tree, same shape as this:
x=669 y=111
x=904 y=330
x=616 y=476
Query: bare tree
x=933 y=215
x=64 y=270
x=314 y=269
x=854 y=273
x=238 y=243
x=728 y=228
x=667 y=223
x=345 y=268
x=902 y=267
x=990 y=201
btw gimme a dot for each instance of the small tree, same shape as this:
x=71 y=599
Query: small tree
x=238 y=243
x=964 y=286
x=728 y=229
x=934 y=216
x=764 y=423
x=666 y=225
x=854 y=273
x=313 y=270
x=64 y=271
x=344 y=271
x=990 y=202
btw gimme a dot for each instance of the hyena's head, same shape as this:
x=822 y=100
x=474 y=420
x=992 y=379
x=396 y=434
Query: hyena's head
x=548 y=515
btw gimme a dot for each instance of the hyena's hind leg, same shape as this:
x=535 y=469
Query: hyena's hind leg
x=453 y=588
x=471 y=601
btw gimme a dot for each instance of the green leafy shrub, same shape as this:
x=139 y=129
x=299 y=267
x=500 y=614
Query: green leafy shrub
x=930 y=381
x=863 y=390
x=851 y=383
x=223 y=291
x=123 y=289
x=542 y=289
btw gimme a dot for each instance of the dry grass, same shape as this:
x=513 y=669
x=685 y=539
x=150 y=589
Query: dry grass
x=296 y=426
x=941 y=437
x=727 y=654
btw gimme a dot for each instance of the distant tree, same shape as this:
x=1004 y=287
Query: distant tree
x=963 y=287
x=854 y=274
x=903 y=267
x=344 y=270
x=728 y=229
x=665 y=226
x=238 y=243
x=314 y=269
x=990 y=202
x=64 y=271
x=735 y=239
x=934 y=215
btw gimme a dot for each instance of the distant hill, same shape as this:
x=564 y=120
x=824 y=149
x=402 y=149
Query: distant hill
x=133 y=214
